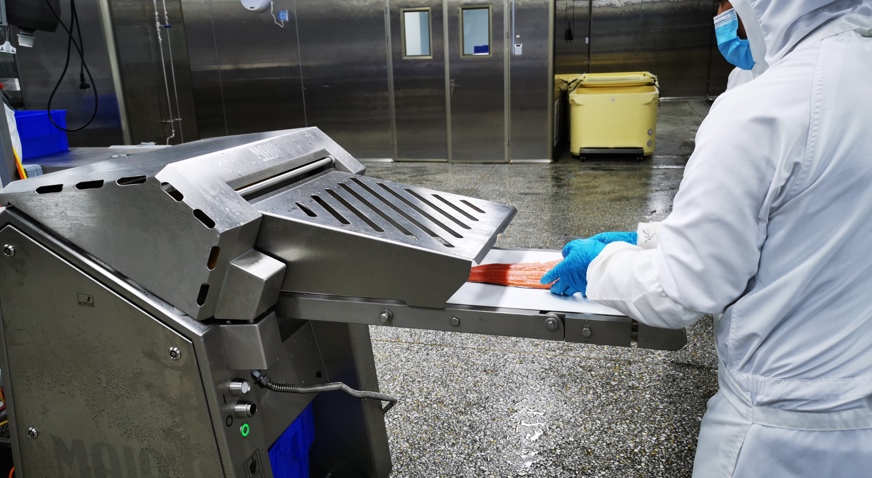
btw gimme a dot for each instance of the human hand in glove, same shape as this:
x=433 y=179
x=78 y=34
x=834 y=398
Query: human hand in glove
x=571 y=273
x=610 y=237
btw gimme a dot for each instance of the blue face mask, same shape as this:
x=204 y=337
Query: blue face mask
x=734 y=49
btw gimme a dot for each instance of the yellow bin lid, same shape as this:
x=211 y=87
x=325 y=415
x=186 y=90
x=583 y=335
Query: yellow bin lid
x=611 y=80
x=566 y=81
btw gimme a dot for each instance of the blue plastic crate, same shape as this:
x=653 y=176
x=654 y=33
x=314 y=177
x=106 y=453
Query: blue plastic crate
x=38 y=136
x=289 y=455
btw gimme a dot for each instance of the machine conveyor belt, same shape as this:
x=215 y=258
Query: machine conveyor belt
x=488 y=295
x=493 y=310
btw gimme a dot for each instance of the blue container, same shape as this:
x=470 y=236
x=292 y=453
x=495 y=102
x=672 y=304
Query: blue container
x=289 y=455
x=38 y=136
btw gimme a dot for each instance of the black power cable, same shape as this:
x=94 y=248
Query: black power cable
x=83 y=85
x=567 y=35
x=264 y=381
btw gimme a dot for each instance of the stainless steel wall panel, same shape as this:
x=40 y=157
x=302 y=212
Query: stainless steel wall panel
x=670 y=38
x=139 y=60
x=419 y=88
x=237 y=71
x=345 y=73
x=392 y=110
x=530 y=80
x=478 y=92
x=245 y=69
x=40 y=67
x=205 y=75
x=719 y=73
x=574 y=16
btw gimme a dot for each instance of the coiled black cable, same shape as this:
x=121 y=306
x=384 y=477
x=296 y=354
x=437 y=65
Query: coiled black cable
x=264 y=382
x=71 y=41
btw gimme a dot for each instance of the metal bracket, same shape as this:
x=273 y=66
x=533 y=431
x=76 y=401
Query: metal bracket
x=621 y=332
x=489 y=321
x=583 y=328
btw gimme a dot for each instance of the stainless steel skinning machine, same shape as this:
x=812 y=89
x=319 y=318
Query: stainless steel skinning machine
x=171 y=313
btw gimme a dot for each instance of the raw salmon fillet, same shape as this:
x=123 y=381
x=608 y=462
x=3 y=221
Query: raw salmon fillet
x=525 y=274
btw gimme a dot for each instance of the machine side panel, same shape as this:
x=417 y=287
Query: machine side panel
x=108 y=389
x=155 y=239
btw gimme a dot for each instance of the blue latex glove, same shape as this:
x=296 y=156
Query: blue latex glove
x=571 y=273
x=610 y=237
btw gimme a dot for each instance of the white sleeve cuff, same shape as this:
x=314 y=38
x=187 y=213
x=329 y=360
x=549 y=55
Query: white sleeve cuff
x=647 y=235
x=623 y=277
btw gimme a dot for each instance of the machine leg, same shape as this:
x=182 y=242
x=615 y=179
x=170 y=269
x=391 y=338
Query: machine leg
x=350 y=435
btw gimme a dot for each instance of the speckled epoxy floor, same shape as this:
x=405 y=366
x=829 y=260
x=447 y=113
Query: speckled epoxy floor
x=503 y=407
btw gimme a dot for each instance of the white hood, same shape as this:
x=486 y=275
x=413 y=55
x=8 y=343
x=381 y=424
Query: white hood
x=775 y=27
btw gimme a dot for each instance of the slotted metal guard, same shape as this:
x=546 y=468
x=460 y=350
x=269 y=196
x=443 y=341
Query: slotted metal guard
x=351 y=235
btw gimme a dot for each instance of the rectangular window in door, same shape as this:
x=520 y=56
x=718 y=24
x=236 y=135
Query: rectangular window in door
x=476 y=30
x=416 y=33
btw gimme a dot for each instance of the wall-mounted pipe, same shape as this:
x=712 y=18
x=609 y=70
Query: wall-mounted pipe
x=589 y=38
x=163 y=69
x=514 y=38
x=167 y=26
x=105 y=15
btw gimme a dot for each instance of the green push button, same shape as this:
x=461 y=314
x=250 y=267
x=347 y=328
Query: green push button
x=245 y=429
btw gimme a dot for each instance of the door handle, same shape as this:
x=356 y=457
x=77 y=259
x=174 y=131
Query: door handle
x=453 y=85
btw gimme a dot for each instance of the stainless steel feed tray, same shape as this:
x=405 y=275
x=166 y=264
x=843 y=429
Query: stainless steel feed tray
x=349 y=235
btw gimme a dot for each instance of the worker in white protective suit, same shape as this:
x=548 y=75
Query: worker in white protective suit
x=769 y=227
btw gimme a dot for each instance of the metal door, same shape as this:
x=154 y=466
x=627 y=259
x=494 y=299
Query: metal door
x=418 y=61
x=476 y=37
x=449 y=80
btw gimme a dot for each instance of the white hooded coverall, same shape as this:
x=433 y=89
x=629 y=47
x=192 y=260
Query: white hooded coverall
x=771 y=227
x=739 y=77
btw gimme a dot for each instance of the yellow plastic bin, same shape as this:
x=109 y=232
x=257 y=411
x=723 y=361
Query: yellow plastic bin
x=614 y=113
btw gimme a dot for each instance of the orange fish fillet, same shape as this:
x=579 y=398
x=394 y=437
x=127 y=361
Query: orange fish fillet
x=526 y=274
